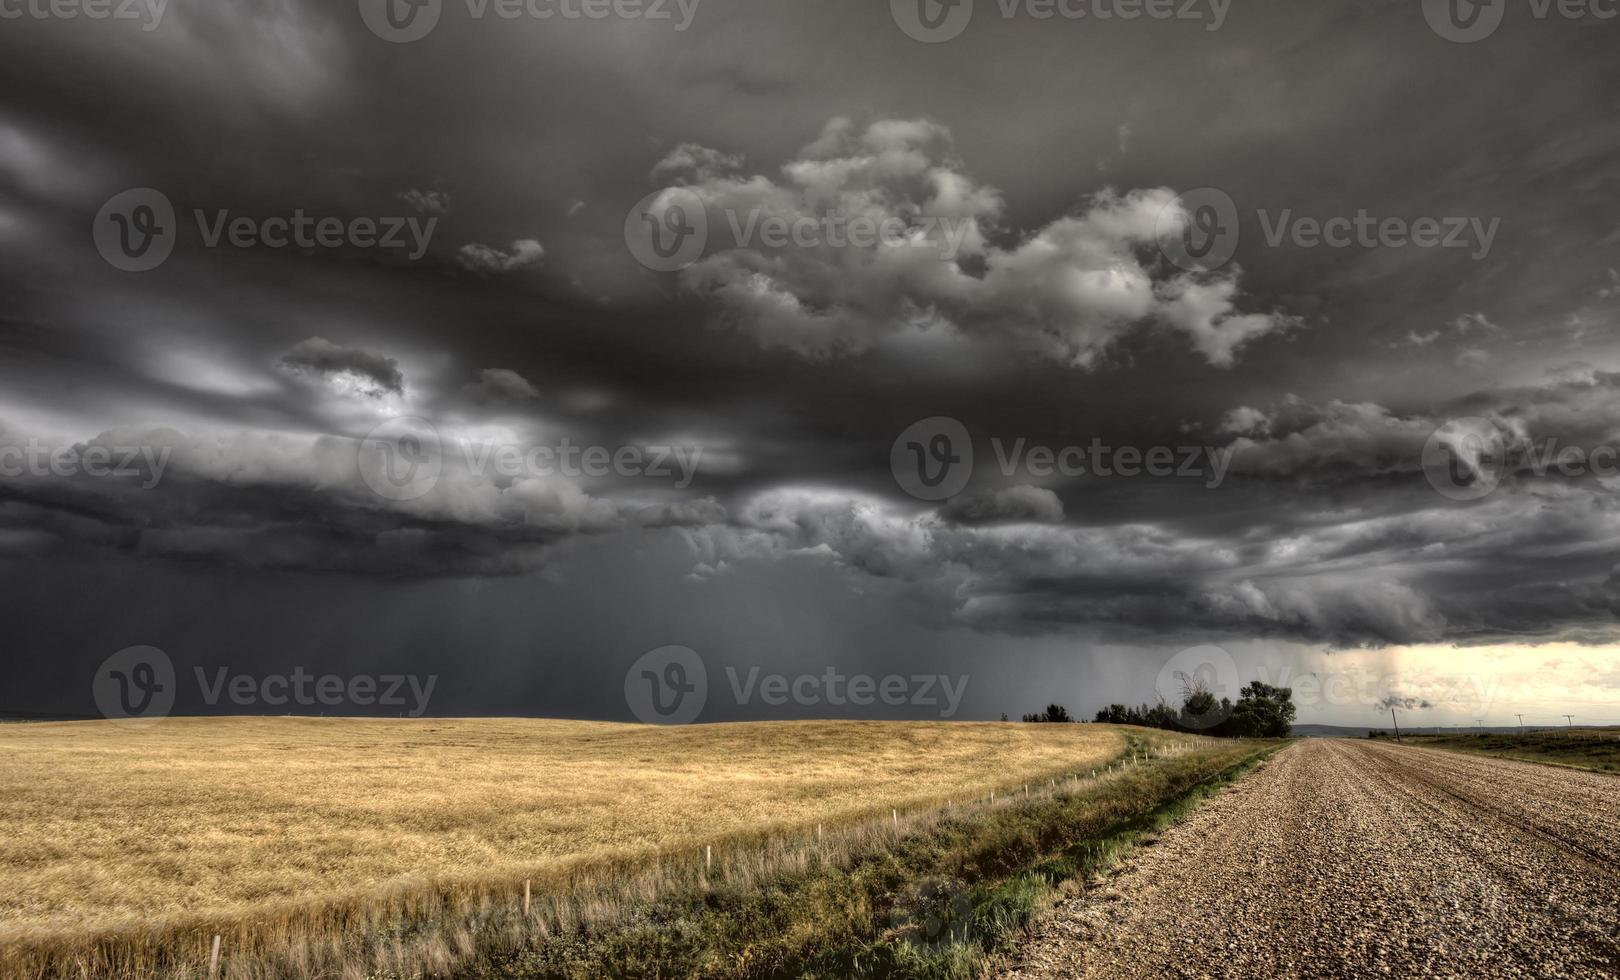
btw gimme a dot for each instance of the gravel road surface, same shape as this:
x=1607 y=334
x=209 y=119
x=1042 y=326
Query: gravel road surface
x=1356 y=859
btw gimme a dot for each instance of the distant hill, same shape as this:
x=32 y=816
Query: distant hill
x=1352 y=731
x=1330 y=731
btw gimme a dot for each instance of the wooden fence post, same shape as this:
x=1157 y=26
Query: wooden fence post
x=213 y=959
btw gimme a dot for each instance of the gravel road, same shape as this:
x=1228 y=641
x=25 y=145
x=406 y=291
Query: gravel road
x=1353 y=859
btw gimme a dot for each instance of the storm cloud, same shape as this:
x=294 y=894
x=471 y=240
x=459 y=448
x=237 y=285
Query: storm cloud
x=529 y=401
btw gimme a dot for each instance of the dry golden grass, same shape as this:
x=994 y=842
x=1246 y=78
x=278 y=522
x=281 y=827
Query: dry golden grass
x=104 y=826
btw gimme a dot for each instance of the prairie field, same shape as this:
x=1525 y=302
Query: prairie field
x=108 y=827
x=1581 y=748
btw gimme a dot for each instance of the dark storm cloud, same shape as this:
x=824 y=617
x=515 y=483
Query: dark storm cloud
x=1067 y=292
x=499 y=384
x=492 y=261
x=324 y=504
x=1012 y=504
x=1323 y=371
x=377 y=375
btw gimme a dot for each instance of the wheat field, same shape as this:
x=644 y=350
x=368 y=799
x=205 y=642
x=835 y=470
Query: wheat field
x=108 y=827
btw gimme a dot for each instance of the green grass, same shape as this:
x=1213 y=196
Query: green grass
x=1590 y=748
x=938 y=904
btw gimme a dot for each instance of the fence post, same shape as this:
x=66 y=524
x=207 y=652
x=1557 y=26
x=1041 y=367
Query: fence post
x=526 y=897
x=213 y=959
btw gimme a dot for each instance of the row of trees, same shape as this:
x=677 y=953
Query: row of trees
x=1262 y=711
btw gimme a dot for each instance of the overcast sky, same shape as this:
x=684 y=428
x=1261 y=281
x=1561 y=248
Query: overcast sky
x=459 y=344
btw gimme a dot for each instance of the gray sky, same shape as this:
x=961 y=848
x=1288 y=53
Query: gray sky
x=1035 y=174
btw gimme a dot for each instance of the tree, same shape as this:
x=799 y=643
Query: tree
x=1262 y=711
x=1200 y=712
x=1114 y=714
x=1160 y=715
x=1053 y=713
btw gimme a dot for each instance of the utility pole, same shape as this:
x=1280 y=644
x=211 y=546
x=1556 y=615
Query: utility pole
x=1571 y=722
x=1481 y=723
x=1397 y=724
x=1521 y=722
